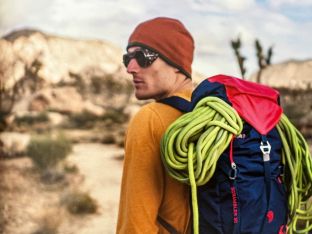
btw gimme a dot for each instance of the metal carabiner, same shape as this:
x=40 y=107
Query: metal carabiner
x=233 y=171
x=265 y=149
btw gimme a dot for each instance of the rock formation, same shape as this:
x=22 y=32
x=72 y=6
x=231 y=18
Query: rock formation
x=63 y=72
x=292 y=74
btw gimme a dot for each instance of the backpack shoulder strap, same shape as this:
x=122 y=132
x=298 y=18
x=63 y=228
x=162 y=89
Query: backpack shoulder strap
x=177 y=102
x=167 y=226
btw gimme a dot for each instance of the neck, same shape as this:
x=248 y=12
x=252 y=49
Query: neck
x=182 y=84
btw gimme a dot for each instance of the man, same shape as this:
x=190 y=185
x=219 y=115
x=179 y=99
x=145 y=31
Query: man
x=159 y=57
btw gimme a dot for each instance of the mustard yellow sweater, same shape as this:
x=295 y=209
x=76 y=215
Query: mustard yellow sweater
x=147 y=190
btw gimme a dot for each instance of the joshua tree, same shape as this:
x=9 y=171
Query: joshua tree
x=236 y=45
x=263 y=61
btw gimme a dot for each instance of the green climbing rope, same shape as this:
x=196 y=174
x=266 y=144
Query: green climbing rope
x=193 y=144
x=298 y=177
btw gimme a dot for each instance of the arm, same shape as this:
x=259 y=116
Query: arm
x=143 y=175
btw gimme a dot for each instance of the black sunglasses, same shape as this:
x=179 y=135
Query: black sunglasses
x=144 y=57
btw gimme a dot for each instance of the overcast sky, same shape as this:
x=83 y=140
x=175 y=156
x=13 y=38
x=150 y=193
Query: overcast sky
x=285 y=24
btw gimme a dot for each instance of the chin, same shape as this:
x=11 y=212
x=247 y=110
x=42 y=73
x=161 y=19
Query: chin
x=142 y=96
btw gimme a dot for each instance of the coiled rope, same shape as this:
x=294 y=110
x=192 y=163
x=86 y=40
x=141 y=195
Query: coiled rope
x=193 y=144
x=297 y=159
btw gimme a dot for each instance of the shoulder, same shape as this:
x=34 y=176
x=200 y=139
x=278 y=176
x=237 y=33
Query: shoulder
x=155 y=112
x=153 y=119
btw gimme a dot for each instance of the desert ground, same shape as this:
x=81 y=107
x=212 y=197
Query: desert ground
x=29 y=205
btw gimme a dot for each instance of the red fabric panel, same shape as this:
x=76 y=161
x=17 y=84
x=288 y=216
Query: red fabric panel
x=255 y=103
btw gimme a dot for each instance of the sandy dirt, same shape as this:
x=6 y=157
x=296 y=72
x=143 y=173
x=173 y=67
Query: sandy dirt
x=102 y=170
x=26 y=203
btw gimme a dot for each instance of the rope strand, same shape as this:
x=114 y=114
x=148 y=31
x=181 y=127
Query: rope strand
x=298 y=162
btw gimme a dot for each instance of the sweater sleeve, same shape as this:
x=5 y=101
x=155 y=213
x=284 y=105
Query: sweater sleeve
x=143 y=175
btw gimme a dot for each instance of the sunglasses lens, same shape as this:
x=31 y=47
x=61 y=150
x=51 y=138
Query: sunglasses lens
x=126 y=59
x=140 y=58
x=144 y=59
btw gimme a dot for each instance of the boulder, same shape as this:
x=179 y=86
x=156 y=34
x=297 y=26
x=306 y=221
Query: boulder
x=62 y=99
x=55 y=118
x=13 y=143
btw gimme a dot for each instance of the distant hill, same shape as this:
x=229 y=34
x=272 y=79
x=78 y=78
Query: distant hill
x=291 y=74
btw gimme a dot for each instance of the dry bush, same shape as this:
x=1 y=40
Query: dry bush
x=109 y=139
x=82 y=120
x=78 y=203
x=29 y=120
x=116 y=115
x=46 y=152
x=70 y=167
x=87 y=120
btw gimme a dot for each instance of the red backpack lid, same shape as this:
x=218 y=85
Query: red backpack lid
x=256 y=103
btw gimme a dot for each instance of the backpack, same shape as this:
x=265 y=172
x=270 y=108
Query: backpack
x=243 y=190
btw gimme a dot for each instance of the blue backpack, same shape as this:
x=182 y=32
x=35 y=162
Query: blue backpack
x=246 y=194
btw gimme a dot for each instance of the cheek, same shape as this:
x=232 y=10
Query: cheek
x=167 y=78
x=155 y=78
x=161 y=79
x=162 y=75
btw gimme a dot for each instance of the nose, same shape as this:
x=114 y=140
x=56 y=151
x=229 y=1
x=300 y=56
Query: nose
x=133 y=66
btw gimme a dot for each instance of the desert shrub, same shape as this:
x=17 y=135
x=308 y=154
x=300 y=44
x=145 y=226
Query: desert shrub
x=120 y=143
x=83 y=120
x=30 y=120
x=115 y=115
x=79 y=203
x=70 y=168
x=108 y=139
x=294 y=112
x=46 y=151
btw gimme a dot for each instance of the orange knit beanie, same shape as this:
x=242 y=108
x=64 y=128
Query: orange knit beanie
x=169 y=38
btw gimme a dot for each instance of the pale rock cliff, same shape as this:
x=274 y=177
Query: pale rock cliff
x=291 y=75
